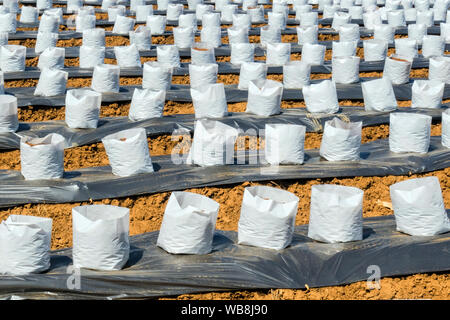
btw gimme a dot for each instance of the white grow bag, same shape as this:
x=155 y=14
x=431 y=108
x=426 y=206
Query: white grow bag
x=188 y=20
x=439 y=69
x=284 y=143
x=123 y=25
x=264 y=97
x=397 y=69
x=212 y=36
x=341 y=140
x=100 y=237
x=105 y=78
x=237 y=35
x=384 y=32
x=188 y=224
x=269 y=34
x=406 y=47
x=45 y=40
x=168 y=55
x=242 y=53
x=128 y=152
x=127 y=56
x=379 y=95
x=349 y=32
x=251 y=71
x=29 y=14
x=94 y=37
x=9 y=121
x=427 y=94
x=85 y=22
x=278 y=54
x=52 y=82
x=52 y=58
x=157 y=24
x=375 y=50
x=296 y=74
x=336 y=214
x=417 y=32
x=91 y=56
x=314 y=54
x=433 y=46
x=409 y=132
x=147 y=104
x=143 y=12
x=308 y=34
x=25 y=245
x=202 y=53
x=209 y=101
x=42 y=158
x=213 y=144
x=183 y=37
x=419 y=207
x=345 y=69
x=156 y=76
x=321 y=97
x=141 y=37
x=267 y=217
x=446 y=128
x=82 y=108
x=202 y=74
x=344 y=48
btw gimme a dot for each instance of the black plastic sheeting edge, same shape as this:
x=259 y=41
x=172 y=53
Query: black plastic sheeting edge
x=181 y=93
x=224 y=68
x=173 y=124
x=151 y=272
x=172 y=174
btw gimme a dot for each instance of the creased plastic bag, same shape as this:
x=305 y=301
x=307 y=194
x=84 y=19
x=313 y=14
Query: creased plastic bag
x=105 y=78
x=267 y=217
x=183 y=37
x=174 y=10
x=202 y=9
x=9 y=121
x=29 y=14
x=100 y=237
x=227 y=13
x=91 y=56
x=85 y=22
x=82 y=108
x=127 y=56
x=433 y=46
x=94 y=37
x=25 y=245
x=417 y=32
x=188 y=20
x=309 y=19
x=427 y=94
x=339 y=19
x=212 y=36
x=48 y=24
x=168 y=55
x=341 y=140
x=278 y=54
x=396 y=18
x=446 y=128
x=284 y=143
x=371 y=19
x=269 y=34
x=344 y=48
x=409 y=132
x=211 y=20
x=406 y=47
x=277 y=20
x=42 y=158
x=264 y=97
x=128 y=152
x=425 y=17
x=251 y=71
x=156 y=76
x=203 y=74
x=188 y=224
x=296 y=74
x=349 y=32
x=419 y=207
x=375 y=50
x=45 y=40
x=321 y=97
x=123 y=25
x=52 y=58
x=147 y=104
x=116 y=11
x=242 y=53
x=379 y=95
x=314 y=54
x=157 y=24
x=307 y=34
x=256 y=14
x=209 y=101
x=439 y=69
x=213 y=144
x=345 y=69
x=242 y=21
x=12 y=58
x=384 y=32
x=237 y=35
x=336 y=213
x=52 y=82
x=141 y=37
x=202 y=53
x=142 y=12
x=397 y=69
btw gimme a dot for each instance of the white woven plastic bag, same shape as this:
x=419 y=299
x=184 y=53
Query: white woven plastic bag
x=45 y=40
x=29 y=14
x=91 y=56
x=168 y=55
x=141 y=37
x=9 y=121
x=188 y=224
x=105 y=78
x=344 y=48
x=123 y=25
x=269 y=34
x=427 y=94
x=85 y=22
x=157 y=24
x=237 y=35
x=433 y=46
x=341 y=140
x=52 y=58
x=100 y=237
x=201 y=53
x=379 y=95
x=251 y=71
x=174 y=10
x=308 y=34
x=445 y=136
x=406 y=47
x=142 y=12
x=397 y=69
x=156 y=76
x=127 y=56
x=25 y=245
x=147 y=104
x=417 y=32
x=188 y=20
x=345 y=69
x=212 y=36
x=384 y=32
x=296 y=74
x=336 y=213
x=183 y=37
x=213 y=144
x=203 y=74
x=94 y=37
x=267 y=217
x=439 y=69
x=409 y=132
x=314 y=54
x=242 y=53
x=278 y=54
x=82 y=108
x=375 y=50
x=42 y=158
x=128 y=152
x=419 y=207
x=349 y=32
x=264 y=97
x=321 y=97
x=284 y=143
x=209 y=101
x=52 y=82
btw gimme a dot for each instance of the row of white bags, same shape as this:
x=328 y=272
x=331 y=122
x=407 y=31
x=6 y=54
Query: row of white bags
x=43 y=158
x=267 y=220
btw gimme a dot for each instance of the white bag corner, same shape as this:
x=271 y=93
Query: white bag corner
x=409 y=132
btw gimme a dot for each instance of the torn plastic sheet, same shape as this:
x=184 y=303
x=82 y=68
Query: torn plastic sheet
x=152 y=272
x=224 y=68
x=181 y=93
x=170 y=124
x=172 y=174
